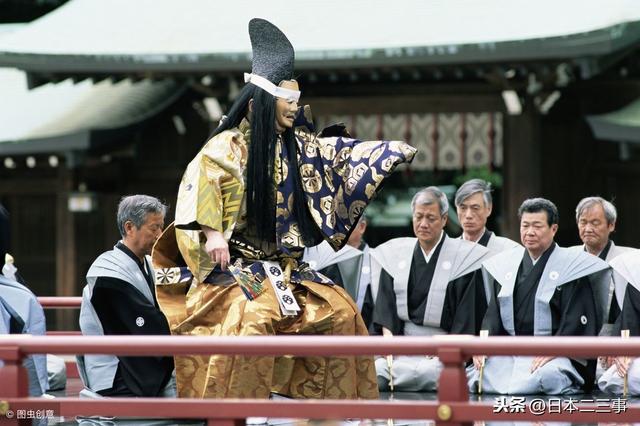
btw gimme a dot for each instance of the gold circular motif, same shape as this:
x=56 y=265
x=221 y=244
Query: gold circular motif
x=311 y=179
x=277 y=176
x=355 y=210
x=444 y=412
x=343 y=155
x=341 y=163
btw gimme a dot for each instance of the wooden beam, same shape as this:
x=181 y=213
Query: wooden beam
x=65 y=248
x=406 y=104
x=23 y=186
x=522 y=165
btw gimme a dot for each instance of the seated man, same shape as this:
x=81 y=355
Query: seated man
x=427 y=286
x=540 y=290
x=474 y=205
x=626 y=269
x=119 y=299
x=22 y=314
x=4 y=234
x=7 y=321
x=31 y=314
x=596 y=219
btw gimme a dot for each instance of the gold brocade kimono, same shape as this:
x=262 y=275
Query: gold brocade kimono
x=340 y=176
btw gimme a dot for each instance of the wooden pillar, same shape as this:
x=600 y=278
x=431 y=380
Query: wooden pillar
x=452 y=386
x=13 y=376
x=65 y=249
x=522 y=165
x=15 y=384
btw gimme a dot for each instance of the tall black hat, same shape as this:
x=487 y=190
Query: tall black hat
x=273 y=53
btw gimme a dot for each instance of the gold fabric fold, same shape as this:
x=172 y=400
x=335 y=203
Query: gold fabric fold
x=221 y=309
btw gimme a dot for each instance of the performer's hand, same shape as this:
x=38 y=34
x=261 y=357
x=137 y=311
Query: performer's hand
x=479 y=360
x=622 y=365
x=216 y=247
x=606 y=361
x=386 y=332
x=539 y=361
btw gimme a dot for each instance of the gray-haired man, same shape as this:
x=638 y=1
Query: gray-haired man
x=426 y=286
x=474 y=205
x=596 y=219
x=119 y=299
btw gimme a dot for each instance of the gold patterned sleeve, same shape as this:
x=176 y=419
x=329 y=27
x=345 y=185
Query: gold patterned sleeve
x=210 y=194
x=211 y=189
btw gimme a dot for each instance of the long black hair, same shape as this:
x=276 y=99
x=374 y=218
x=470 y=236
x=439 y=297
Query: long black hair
x=260 y=165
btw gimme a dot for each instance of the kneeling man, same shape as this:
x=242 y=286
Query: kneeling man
x=428 y=285
x=623 y=369
x=540 y=290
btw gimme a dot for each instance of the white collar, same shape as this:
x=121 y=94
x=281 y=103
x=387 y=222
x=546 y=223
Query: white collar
x=427 y=256
x=534 y=261
x=484 y=231
x=584 y=247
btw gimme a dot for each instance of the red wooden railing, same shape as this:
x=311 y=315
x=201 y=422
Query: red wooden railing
x=49 y=302
x=60 y=302
x=452 y=407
